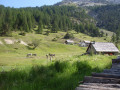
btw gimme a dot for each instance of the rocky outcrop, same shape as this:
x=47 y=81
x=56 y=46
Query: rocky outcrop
x=13 y=41
x=1 y=43
x=88 y=2
x=9 y=41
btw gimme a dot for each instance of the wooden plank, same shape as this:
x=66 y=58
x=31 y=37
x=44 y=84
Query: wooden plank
x=115 y=60
x=90 y=79
x=115 y=66
x=98 y=87
x=95 y=87
x=104 y=85
x=111 y=70
x=106 y=75
x=85 y=86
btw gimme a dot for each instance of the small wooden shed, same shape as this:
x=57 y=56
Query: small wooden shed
x=84 y=43
x=69 y=42
x=102 y=47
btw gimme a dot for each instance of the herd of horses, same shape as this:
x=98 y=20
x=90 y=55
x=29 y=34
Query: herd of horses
x=48 y=56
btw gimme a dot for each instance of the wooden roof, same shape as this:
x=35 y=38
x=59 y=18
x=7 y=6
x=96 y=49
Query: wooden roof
x=71 y=41
x=104 y=47
x=86 y=41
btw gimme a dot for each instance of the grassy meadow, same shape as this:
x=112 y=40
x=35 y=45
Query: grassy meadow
x=65 y=71
x=58 y=75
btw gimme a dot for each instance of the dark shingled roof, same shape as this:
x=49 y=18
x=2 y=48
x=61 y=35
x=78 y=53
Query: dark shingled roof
x=105 y=47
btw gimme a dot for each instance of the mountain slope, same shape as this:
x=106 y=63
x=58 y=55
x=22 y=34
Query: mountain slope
x=54 y=18
x=108 y=17
x=88 y=2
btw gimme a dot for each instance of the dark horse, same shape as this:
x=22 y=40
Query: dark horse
x=51 y=56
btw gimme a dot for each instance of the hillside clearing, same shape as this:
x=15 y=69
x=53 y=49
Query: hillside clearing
x=15 y=54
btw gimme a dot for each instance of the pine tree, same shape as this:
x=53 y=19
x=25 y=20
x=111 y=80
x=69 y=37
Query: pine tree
x=54 y=27
x=40 y=27
x=113 y=38
x=29 y=21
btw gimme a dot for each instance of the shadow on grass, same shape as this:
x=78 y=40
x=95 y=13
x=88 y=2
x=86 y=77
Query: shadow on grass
x=57 y=76
x=30 y=48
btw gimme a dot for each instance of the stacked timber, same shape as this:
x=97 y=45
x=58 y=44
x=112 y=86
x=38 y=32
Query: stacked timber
x=109 y=79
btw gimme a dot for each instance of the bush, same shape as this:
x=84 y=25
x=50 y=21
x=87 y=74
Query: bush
x=57 y=36
x=54 y=39
x=68 y=36
x=22 y=33
x=83 y=67
x=47 y=33
x=60 y=66
x=35 y=43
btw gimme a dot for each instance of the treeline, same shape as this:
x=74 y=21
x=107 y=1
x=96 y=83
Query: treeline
x=54 y=18
x=108 y=17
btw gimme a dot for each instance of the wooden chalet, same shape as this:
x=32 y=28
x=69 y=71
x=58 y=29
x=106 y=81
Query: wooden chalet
x=84 y=43
x=103 y=48
x=69 y=42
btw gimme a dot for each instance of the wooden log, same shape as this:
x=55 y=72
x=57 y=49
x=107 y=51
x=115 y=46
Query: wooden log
x=106 y=75
x=104 y=85
x=95 y=87
x=90 y=79
x=115 y=60
x=90 y=88
x=98 y=86
x=115 y=66
x=112 y=71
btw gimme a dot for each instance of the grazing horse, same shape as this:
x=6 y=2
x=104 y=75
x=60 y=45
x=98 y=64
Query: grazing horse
x=51 y=56
x=47 y=56
x=29 y=54
x=34 y=54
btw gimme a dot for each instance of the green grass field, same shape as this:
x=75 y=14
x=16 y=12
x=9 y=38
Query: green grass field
x=38 y=73
x=10 y=56
x=63 y=74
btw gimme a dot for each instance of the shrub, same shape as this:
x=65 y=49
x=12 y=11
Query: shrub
x=57 y=36
x=60 y=66
x=22 y=33
x=83 y=67
x=68 y=36
x=92 y=53
x=35 y=43
x=47 y=33
x=54 y=39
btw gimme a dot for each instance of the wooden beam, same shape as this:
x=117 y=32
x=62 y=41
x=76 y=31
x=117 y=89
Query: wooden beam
x=96 y=87
x=115 y=60
x=90 y=79
x=107 y=75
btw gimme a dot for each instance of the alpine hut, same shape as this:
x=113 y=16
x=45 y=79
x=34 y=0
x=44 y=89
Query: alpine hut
x=84 y=43
x=69 y=42
x=103 y=48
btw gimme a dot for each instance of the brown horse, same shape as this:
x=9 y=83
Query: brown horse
x=47 y=56
x=50 y=55
x=30 y=55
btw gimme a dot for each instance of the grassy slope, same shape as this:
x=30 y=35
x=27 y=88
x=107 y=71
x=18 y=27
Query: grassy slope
x=61 y=75
x=10 y=56
x=64 y=74
x=108 y=32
